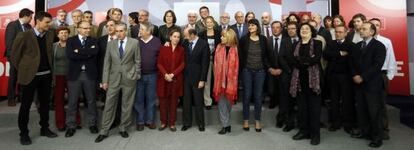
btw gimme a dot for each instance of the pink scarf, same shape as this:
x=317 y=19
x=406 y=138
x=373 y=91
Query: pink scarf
x=314 y=80
x=225 y=73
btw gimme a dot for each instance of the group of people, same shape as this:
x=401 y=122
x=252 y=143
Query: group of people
x=301 y=63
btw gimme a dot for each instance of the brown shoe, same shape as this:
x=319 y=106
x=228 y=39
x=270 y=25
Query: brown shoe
x=11 y=102
x=151 y=126
x=140 y=127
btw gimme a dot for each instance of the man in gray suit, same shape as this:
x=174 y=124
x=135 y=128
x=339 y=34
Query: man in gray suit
x=121 y=71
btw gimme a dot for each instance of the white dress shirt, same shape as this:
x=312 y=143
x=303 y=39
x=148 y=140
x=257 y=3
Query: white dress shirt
x=390 y=64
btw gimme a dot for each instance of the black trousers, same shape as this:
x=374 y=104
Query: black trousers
x=41 y=84
x=193 y=95
x=342 y=110
x=11 y=87
x=384 y=102
x=309 y=110
x=370 y=110
x=279 y=89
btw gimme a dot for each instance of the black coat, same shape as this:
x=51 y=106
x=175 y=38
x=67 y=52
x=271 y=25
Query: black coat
x=277 y=58
x=326 y=34
x=102 y=43
x=87 y=55
x=245 y=30
x=367 y=62
x=244 y=47
x=196 y=62
x=12 y=29
x=336 y=62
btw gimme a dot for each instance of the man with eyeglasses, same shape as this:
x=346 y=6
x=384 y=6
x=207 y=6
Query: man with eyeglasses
x=82 y=51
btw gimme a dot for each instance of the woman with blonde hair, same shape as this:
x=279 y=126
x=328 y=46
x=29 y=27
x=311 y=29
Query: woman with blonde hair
x=226 y=67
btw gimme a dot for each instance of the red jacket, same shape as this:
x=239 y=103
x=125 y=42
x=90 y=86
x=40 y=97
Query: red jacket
x=170 y=62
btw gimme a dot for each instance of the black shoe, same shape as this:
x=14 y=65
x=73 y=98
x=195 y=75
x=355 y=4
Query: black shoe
x=124 y=134
x=246 y=128
x=162 y=127
x=173 y=129
x=70 y=132
x=385 y=136
x=222 y=131
x=375 y=144
x=359 y=136
x=258 y=129
x=288 y=128
x=272 y=106
x=185 y=128
x=100 y=138
x=48 y=133
x=301 y=136
x=225 y=130
x=315 y=140
x=25 y=140
x=334 y=128
x=62 y=129
x=348 y=130
x=201 y=128
x=208 y=107
x=279 y=124
x=79 y=127
x=140 y=127
x=93 y=129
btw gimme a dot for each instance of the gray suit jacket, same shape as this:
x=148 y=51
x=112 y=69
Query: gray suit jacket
x=127 y=69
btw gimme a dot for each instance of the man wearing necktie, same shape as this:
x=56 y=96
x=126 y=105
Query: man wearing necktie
x=195 y=76
x=279 y=76
x=122 y=69
x=82 y=51
x=338 y=73
x=12 y=29
x=240 y=27
x=266 y=19
x=368 y=60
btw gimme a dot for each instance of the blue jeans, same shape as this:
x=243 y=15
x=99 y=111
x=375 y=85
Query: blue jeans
x=145 y=96
x=253 y=82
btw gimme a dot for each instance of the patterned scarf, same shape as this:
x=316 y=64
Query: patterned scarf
x=314 y=79
x=225 y=72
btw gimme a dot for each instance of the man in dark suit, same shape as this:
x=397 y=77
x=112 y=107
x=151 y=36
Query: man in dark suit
x=32 y=57
x=286 y=114
x=195 y=75
x=240 y=27
x=366 y=71
x=12 y=29
x=279 y=74
x=321 y=30
x=338 y=72
x=81 y=51
x=274 y=43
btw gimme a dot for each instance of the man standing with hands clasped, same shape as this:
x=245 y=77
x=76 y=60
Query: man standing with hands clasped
x=122 y=69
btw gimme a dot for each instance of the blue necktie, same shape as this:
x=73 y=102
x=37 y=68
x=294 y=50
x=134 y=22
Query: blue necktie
x=83 y=41
x=190 y=47
x=121 y=49
x=240 y=31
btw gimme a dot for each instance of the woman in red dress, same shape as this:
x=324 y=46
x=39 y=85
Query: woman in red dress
x=170 y=64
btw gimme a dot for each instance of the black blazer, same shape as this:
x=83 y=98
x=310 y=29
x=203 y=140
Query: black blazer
x=337 y=63
x=244 y=48
x=367 y=62
x=87 y=55
x=245 y=30
x=326 y=34
x=196 y=62
x=277 y=58
x=12 y=29
x=102 y=42
x=217 y=39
